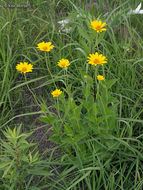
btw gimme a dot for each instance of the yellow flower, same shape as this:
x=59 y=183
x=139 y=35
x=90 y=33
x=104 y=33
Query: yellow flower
x=45 y=46
x=100 y=77
x=96 y=59
x=24 y=67
x=98 y=25
x=63 y=63
x=56 y=93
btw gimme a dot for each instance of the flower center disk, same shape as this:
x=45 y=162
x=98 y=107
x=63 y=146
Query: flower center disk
x=24 y=69
x=44 y=48
x=98 y=27
x=96 y=61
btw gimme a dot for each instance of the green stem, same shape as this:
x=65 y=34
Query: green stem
x=66 y=77
x=105 y=79
x=36 y=101
x=98 y=90
x=59 y=110
x=91 y=48
x=103 y=71
x=96 y=43
x=18 y=167
x=104 y=110
x=49 y=69
x=95 y=83
x=94 y=87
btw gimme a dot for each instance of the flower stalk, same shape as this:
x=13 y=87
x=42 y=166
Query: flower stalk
x=35 y=99
x=47 y=64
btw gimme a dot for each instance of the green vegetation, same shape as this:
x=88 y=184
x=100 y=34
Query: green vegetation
x=90 y=136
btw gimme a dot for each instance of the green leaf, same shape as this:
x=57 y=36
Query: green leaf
x=55 y=138
x=85 y=47
x=68 y=130
x=83 y=33
x=35 y=188
x=38 y=171
x=92 y=10
x=48 y=119
x=3 y=165
x=67 y=140
x=79 y=137
x=110 y=83
x=80 y=179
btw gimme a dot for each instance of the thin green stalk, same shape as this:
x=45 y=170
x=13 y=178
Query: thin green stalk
x=96 y=43
x=103 y=70
x=18 y=167
x=58 y=110
x=95 y=82
x=91 y=48
x=36 y=101
x=94 y=87
x=104 y=112
x=66 y=77
x=48 y=61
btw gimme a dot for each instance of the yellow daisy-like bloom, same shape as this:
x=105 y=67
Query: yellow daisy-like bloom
x=63 y=63
x=96 y=59
x=56 y=93
x=98 y=25
x=24 y=67
x=100 y=77
x=45 y=46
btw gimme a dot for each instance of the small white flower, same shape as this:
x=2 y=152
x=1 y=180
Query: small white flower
x=127 y=49
x=64 y=26
x=81 y=15
x=64 y=22
x=67 y=30
x=137 y=10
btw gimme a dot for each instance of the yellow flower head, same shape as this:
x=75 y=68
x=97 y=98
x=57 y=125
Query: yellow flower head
x=45 y=46
x=100 y=77
x=63 y=63
x=56 y=93
x=96 y=59
x=98 y=25
x=24 y=67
